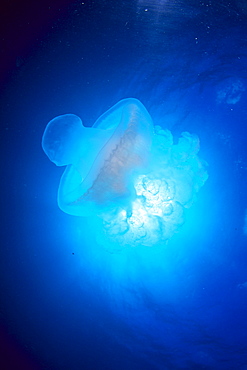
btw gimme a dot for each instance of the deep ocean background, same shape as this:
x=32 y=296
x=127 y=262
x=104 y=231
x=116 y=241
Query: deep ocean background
x=65 y=303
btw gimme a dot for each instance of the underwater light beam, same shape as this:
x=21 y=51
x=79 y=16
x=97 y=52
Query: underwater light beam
x=126 y=171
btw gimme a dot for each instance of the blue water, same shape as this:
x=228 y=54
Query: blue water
x=68 y=302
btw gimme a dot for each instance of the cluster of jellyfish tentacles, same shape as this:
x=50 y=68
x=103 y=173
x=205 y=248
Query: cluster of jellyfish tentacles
x=127 y=172
x=170 y=185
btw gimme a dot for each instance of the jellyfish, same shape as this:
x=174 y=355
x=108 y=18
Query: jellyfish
x=126 y=171
x=100 y=160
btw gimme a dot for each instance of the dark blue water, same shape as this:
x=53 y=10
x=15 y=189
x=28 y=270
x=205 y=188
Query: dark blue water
x=68 y=303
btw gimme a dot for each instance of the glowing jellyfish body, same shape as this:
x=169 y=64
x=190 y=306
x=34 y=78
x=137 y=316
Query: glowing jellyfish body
x=101 y=160
x=126 y=171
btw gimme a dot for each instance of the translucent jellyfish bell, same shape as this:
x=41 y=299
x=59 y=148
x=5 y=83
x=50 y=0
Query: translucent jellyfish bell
x=100 y=160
